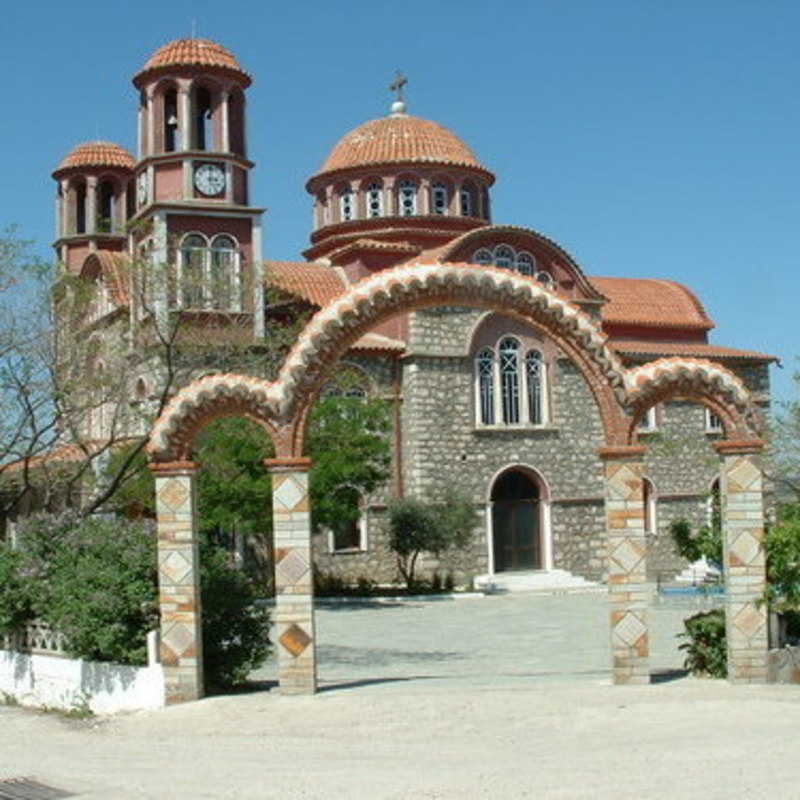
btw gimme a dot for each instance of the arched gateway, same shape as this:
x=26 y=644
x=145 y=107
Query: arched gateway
x=621 y=395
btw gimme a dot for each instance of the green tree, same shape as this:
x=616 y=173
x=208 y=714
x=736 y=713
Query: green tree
x=416 y=527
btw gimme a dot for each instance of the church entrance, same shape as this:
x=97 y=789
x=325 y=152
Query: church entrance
x=516 y=522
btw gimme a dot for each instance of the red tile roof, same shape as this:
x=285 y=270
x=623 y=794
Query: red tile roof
x=689 y=349
x=191 y=53
x=650 y=303
x=399 y=138
x=96 y=154
x=314 y=283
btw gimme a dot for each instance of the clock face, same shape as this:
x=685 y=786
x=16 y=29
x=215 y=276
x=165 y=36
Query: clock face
x=141 y=188
x=209 y=179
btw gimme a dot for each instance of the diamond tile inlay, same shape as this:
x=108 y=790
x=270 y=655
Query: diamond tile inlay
x=629 y=629
x=627 y=555
x=744 y=474
x=175 y=566
x=625 y=483
x=288 y=494
x=295 y=639
x=174 y=494
x=179 y=638
x=291 y=568
x=749 y=620
x=745 y=548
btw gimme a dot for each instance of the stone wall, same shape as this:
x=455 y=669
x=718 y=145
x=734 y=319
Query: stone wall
x=441 y=445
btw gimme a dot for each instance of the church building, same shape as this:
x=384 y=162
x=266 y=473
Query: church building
x=482 y=401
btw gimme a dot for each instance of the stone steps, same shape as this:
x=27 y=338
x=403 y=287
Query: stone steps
x=554 y=581
x=697 y=573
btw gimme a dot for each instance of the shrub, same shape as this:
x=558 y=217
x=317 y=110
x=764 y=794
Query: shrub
x=100 y=591
x=706 y=542
x=15 y=606
x=706 y=650
x=235 y=629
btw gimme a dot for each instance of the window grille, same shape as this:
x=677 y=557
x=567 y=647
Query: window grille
x=485 y=364
x=509 y=379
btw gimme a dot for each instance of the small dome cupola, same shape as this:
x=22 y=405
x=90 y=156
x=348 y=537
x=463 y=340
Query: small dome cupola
x=94 y=199
x=191 y=99
x=399 y=177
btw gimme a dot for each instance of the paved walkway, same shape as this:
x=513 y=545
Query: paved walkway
x=484 y=640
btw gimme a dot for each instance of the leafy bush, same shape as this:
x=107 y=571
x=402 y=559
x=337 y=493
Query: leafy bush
x=15 y=607
x=93 y=580
x=782 y=545
x=706 y=542
x=235 y=629
x=706 y=650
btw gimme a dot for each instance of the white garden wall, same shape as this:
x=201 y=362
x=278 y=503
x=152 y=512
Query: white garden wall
x=67 y=683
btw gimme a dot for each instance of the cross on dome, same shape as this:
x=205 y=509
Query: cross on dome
x=398 y=106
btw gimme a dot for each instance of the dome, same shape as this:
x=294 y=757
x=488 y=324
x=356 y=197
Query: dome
x=399 y=138
x=191 y=53
x=97 y=154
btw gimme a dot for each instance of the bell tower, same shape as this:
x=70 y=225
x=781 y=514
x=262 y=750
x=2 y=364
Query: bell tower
x=192 y=194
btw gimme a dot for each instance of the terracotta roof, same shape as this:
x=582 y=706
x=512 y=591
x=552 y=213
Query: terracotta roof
x=191 y=53
x=317 y=284
x=651 y=303
x=96 y=154
x=62 y=454
x=696 y=349
x=374 y=245
x=399 y=138
x=376 y=341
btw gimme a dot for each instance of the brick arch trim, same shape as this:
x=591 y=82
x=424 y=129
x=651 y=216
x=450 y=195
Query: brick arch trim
x=202 y=401
x=407 y=288
x=280 y=407
x=695 y=379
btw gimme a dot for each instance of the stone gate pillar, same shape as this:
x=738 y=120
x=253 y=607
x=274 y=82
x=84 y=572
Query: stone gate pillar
x=626 y=550
x=179 y=581
x=744 y=563
x=294 y=584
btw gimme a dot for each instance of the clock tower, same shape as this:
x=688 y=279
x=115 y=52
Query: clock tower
x=192 y=205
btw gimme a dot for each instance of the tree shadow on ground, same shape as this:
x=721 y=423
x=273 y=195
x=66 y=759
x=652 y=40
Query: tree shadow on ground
x=667 y=675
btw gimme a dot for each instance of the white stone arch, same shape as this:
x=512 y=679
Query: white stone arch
x=545 y=520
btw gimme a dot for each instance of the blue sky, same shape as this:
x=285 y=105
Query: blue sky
x=652 y=139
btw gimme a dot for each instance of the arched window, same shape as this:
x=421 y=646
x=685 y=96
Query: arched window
x=526 y=264
x=346 y=205
x=407 y=198
x=170 y=121
x=504 y=257
x=193 y=259
x=374 y=200
x=482 y=257
x=203 y=130
x=466 y=200
x=141 y=390
x=510 y=385
x=439 y=198
x=509 y=379
x=534 y=373
x=545 y=278
x=224 y=274
x=485 y=367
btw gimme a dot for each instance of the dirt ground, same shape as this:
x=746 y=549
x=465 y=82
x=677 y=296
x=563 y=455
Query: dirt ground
x=499 y=698
x=686 y=738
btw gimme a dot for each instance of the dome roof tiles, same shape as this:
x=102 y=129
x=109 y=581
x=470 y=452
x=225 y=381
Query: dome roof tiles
x=191 y=53
x=399 y=138
x=97 y=154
